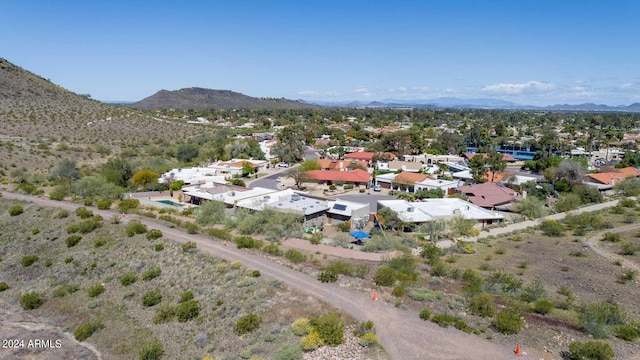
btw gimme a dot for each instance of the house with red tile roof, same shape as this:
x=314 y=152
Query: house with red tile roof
x=490 y=195
x=369 y=156
x=615 y=176
x=331 y=177
x=331 y=164
x=407 y=180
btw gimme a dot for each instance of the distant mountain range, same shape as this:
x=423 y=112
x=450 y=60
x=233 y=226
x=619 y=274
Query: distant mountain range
x=449 y=102
x=202 y=99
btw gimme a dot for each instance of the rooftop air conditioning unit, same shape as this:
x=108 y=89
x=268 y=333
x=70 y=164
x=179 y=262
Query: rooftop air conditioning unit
x=266 y=197
x=295 y=197
x=233 y=193
x=410 y=209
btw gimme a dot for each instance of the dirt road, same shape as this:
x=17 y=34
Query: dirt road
x=403 y=334
x=594 y=244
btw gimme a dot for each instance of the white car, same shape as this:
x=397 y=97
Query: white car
x=278 y=179
x=283 y=165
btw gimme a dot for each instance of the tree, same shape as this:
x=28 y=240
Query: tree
x=210 y=213
x=247 y=169
x=570 y=171
x=187 y=152
x=495 y=161
x=117 y=171
x=629 y=187
x=478 y=168
x=145 y=178
x=531 y=207
x=67 y=170
x=290 y=147
x=435 y=229
x=96 y=187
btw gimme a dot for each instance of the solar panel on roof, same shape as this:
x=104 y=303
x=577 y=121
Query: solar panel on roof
x=340 y=207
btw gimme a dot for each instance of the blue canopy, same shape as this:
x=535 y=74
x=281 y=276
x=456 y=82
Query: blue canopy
x=360 y=234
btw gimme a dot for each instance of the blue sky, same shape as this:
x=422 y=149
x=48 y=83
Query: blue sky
x=530 y=52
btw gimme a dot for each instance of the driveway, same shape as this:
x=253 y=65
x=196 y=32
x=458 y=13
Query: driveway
x=402 y=333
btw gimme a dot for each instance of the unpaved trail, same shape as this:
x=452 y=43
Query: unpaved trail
x=402 y=333
x=594 y=244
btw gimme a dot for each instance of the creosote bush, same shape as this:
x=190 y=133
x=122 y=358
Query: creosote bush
x=154 y=234
x=29 y=260
x=247 y=323
x=590 y=350
x=151 y=273
x=136 y=227
x=73 y=240
x=84 y=331
x=187 y=310
x=151 y=298
x=4 y=286
x=16 y=210
x=151 y=351
x=295 y=256
x=95 y=290
x=508 y=321
x=84 y=213
x=31 y=300
x=425 y=314
x=128 y=278
x=189 y=246
x=330 y=327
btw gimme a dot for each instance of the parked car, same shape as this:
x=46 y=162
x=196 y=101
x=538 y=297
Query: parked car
x=279 y=179
x=283 y=165
x=377 y=188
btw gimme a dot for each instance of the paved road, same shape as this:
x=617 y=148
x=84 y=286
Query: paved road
x=403 y=334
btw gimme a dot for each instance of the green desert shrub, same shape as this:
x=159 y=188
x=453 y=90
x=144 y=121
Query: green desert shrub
x=425 y=314
x=627 y=332
x=104 y=204
x=154 y=234
x=151 y=298
x=15 y=210
x=368 y=339
x=164 y=314
x=611 y=237
x=189 y=246
x=151 y=351
x=443 y=319
x=327 y=276
x=247 y=323
x=218 y=233
x=95 y=290
x=29 y=260
x=84 y=213
x=543 y=306
x=31 y=300
x=187 y=310
x=295 y=256
x=272 y=249
x=247 y=242
x=85 y=226
x=385 y=276
x=590 y=350
x=136 y=227
x=508 y=321
x=84 y=331
x=192 y=228
x=596 y=319
x=73 y=240
x=151 y=273
x=100 y=242
x=158 y=247
x=289 y=352
x=186 y=296
x=552 y=227
x=127 y=205
x=330 y=327
x=482 y=305
x=4 y=286
x=128 y=278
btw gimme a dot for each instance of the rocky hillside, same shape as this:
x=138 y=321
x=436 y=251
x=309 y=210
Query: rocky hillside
x=201 y=99
x=41 y=122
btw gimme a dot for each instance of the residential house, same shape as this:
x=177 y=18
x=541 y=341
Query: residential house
x=313 y=210
x=369 y=156
x=607 y=180
x=385 y=180
x=356 y=177
x=406 y=181
x=439 y=209
x=506 y=157
x=396 y=165
x=342 y=210
x=490 y=195
x=448 y=186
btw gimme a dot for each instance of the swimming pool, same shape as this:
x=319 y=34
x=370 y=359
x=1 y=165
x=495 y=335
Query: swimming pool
x=169 y=202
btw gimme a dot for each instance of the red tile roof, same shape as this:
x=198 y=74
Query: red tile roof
x=409 y=178
x=366 y=155
x=340 y=164
x=355 y=176
x=489 y=195
x=616 y=176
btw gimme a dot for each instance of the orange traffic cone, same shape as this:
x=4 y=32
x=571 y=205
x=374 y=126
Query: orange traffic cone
x=375 y=297
x=518 y=351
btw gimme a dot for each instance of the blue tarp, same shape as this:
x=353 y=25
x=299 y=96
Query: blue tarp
x=360 y=234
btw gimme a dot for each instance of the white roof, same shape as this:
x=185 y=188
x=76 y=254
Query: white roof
x=431 y=209
x=406 y=211
x=192 y=175
x=223 y=192
x=438 y=183
x=447 y=208
x=386 y=177
x=344 y=207
x=466 y=175
x=284 y=200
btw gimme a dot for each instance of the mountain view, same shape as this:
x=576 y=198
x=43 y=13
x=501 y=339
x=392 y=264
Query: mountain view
x=202 y=99
x=320 y=180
